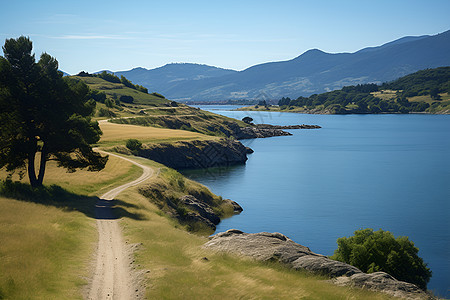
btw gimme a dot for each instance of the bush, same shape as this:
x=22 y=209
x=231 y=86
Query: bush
x=126 y=99
x=380 y=251
x=104 y=112
x=158 y=95
x=109 y=103
x=134 y=145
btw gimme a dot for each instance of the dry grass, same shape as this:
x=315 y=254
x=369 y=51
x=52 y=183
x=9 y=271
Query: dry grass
x=428 y=99
x=118 y=133
x=44 y=251
x=385 y=94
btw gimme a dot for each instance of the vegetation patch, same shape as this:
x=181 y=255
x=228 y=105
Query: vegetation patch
x=423 y=91
x=376 y=251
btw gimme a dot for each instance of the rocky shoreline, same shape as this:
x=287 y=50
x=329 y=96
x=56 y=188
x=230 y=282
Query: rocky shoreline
x=267 y=130
x=277 y=247
x=197 y=154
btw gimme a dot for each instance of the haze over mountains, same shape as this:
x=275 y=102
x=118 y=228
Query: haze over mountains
x=312 y=72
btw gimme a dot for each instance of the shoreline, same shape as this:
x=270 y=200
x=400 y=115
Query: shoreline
x=325 y=112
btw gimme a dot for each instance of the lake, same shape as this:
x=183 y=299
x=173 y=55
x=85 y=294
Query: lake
x=359 y=171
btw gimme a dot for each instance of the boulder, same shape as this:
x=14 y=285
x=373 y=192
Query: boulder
x=236 y=207
x=266 y=246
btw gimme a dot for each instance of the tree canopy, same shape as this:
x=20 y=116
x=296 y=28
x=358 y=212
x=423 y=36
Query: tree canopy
x=380 y=251
x=43 y=113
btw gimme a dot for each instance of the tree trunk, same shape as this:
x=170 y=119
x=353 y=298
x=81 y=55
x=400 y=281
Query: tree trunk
x=42 y=165
x=32 y=169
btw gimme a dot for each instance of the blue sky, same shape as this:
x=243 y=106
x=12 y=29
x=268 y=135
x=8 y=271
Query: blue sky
x=119 y=35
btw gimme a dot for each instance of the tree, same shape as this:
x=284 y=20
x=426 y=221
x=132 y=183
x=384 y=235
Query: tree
x=379 y=251
x=43 y=113
x=134 y=145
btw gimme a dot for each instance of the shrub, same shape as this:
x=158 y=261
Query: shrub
x=104 y=112
x=158 y=95
x=126 y=99
x=380 y=251
x=134 y=145
x=109 y=103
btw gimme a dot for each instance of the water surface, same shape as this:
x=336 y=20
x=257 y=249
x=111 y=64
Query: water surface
x=359 y=171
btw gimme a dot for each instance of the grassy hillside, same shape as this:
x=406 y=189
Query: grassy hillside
x=115 y=90
x=154 y=111
x=188 y=119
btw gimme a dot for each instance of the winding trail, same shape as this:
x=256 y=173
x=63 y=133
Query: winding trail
x=113 y=275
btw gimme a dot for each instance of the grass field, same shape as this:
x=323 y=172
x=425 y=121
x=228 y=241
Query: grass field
x=385 y=94
x=114 y=134
x=44 y=251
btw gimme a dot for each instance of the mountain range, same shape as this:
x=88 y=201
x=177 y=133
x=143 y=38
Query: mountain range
x=312 y=72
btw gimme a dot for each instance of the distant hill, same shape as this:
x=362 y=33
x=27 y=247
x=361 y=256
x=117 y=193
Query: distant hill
x=312 y=72
x=165 y=77
x=423 y=91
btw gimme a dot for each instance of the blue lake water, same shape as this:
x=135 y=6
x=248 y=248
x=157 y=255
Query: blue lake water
x=359 y=171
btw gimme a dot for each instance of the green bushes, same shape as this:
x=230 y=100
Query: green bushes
x=134 y=145
x=380 y=251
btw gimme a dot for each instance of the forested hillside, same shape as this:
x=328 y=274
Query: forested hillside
x=424 y=91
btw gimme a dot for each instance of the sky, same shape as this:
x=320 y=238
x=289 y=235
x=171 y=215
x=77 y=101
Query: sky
x=121 y=35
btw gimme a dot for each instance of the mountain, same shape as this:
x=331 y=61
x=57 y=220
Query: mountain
x=165 y=77
x=312 y=72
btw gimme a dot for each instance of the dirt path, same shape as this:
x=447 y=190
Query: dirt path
x=113 y=275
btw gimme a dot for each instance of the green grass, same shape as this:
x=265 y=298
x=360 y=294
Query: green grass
x=48 y=235
x=178 y=270
x=44 y=249
x=119 y=89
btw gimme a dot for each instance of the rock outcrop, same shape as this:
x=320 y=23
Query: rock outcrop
x=303 y=126
x=201 y=208
x=255 y=132
x=266 y=246
x=197 y=154
x=266 y=130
